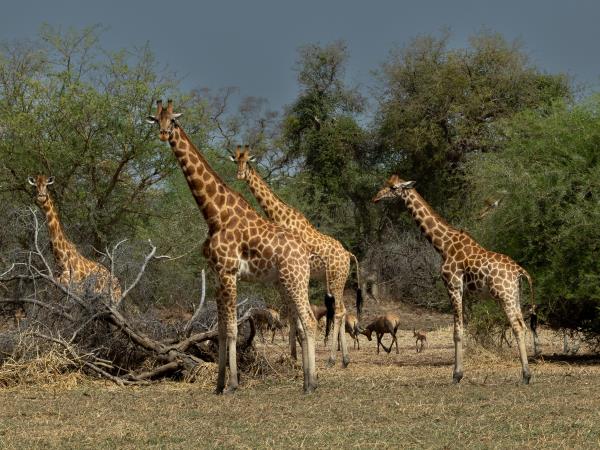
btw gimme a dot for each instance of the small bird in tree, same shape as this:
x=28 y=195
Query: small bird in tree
x=490 y=205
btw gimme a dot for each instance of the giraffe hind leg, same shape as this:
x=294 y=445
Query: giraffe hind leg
x=510 y=304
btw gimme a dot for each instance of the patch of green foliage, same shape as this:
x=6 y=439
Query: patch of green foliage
x=548 y=176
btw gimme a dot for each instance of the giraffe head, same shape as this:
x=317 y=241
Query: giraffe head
x=242 y=158
x=41 y=183
x=394 y=187
x=165 y=118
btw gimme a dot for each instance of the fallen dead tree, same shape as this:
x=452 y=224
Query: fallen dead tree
x=98 y=336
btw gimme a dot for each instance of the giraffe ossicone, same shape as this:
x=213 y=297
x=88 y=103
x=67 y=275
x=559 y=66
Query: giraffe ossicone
x=467 y=265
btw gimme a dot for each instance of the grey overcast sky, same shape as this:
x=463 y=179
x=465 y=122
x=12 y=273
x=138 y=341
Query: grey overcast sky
x=252 y=44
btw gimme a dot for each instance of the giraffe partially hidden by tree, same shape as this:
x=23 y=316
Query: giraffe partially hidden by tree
x=333 y=261
x=241 y=244
x=76 y=271
x=466 y=265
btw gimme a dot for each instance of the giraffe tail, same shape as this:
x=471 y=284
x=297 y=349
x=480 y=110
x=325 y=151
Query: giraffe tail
x=330 y=305
x=329 y=298
x=533 y=318
x=359 y=295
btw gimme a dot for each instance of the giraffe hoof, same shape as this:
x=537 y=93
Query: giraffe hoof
x=331 y=362
x=230 y=390
x=456 y=377
x=310 y=388
x=345 y=361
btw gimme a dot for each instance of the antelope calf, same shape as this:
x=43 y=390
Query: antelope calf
x=352 y=328
x=421 y=336
x=19 y=316
x=388 y=323
x=277 y=323
x=319 y=311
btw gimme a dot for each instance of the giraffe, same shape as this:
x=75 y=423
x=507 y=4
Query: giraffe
x=241 y=244
x=333 y=262
x=75 y=269
x=468 y=265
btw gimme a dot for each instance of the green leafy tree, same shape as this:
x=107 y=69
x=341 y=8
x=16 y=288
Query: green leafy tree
x=548 y=180
x=439 y=104
x=322 y=135
x=76 y=112
x=77 y=117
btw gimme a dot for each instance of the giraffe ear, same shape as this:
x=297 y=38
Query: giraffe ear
x=407 y=184
x=50 y=180
x=232 y=158
x=252 y=158
x=151 y=119
x=31 y=181
x=176 y=116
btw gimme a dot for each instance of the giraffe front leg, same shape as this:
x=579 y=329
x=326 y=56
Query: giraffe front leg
x=229 y=297
x=302 y=336
x=455 y=292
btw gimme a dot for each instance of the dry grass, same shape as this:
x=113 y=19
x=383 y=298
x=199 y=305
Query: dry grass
x=383 y=401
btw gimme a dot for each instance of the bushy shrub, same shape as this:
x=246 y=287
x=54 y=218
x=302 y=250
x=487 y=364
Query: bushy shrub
x=548 y=177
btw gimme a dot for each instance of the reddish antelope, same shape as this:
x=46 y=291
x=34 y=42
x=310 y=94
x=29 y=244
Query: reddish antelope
x=388 y=323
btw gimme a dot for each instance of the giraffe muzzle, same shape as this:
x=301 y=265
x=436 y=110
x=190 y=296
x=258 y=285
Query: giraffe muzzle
x=164 y=135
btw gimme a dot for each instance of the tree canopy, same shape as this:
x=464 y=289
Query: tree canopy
x=548 y=177
x=437 y=105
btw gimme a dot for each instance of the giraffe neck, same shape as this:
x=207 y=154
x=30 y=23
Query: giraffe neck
x=435 y=229
x=275 y=208
x=60 y=244
x=212 y=195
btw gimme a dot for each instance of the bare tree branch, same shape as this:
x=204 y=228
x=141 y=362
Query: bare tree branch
x=188 y=326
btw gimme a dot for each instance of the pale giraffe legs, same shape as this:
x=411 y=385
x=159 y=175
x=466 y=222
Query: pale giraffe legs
x=306 y=327
x=339 y=329
x=512 y=310
x=455 y=292
x=227 y=326
x=296 y=291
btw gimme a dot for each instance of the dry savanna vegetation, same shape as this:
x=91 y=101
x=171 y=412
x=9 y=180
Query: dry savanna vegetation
x=383 y=401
